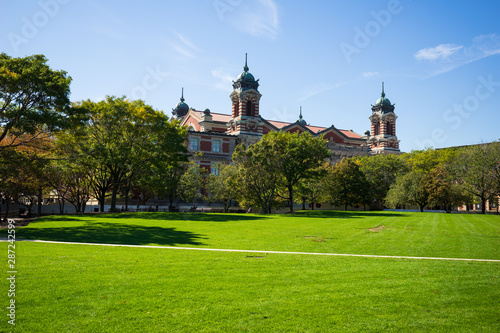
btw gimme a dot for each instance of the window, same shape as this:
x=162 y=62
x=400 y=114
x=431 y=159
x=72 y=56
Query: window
x=216 y=146
x=193 y=144
x=215 y=171
x=236 y=109
x=250 y=109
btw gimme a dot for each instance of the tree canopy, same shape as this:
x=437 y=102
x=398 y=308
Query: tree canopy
x=276 y=164
x=34 y=100
x=120 y=138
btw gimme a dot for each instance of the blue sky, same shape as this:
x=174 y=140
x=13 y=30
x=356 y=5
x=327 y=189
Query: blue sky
x=440 y=60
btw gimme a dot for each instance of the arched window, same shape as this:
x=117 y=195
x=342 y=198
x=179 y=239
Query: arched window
x=377 y=128
x=249 y=109
x=236 y=109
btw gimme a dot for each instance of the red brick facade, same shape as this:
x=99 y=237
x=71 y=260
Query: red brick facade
x=216 y=135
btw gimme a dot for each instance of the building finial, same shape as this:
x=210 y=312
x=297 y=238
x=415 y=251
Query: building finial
x=246 y=66
x=383 y=93
x=300 y=116
x=182 y=95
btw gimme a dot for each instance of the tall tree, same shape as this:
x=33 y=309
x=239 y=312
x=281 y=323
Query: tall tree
x=299 y=155
x=442 y=190
x=224 y=186
x=475 y=169
x=347 y=183
x=122 y=136
x=34 y=100
x=191 y=183
x=259 y=174
x=314 y=190
x=409 y=189
x=381 y=172
x=276 y=164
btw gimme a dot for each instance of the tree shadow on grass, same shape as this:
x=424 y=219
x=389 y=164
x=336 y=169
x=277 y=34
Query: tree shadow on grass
x=331 y=214
x=113 y=233
x=198 y=217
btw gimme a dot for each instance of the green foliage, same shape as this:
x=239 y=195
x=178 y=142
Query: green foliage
x=314 y=190
x=428 y=159
x=476 y=170
x=191 y=183
x=381 y=172
x=276 y=164
x=442 y=190
x=300 y=155
x=123 y=139
x=259 y=175
x=224 y=187
x=71 y=180
x=348 y=185
x=409 y=189
x=34 y=99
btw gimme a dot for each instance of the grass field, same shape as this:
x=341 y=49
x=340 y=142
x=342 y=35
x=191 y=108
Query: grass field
x=81 y=288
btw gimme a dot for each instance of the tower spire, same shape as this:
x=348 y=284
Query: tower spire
x=300 y=116
x=246 y=66
x=182 y=95
x=383 y=93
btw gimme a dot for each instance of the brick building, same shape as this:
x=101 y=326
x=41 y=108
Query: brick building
x=216 y=135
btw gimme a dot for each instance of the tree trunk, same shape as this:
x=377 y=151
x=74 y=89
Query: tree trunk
x=40 y=198
x=61 y=205
x=6 y=209
x=127 y=191
x=113 y=198
x=483 y=205
x=290 y=197
x=101 y=200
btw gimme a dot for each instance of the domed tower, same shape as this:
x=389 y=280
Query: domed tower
x=245 y=98
x=181 y=109
x=383 y=137
x=301 y=119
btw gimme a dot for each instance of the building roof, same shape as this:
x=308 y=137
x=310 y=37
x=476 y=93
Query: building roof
x=216 y=117
x=315 y=129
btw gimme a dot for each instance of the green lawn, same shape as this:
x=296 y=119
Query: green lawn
x=79 y=288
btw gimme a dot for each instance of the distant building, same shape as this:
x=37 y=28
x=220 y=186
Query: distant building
x=216 y=135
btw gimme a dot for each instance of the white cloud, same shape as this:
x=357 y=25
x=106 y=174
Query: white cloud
x=225 y=80
x=186 y=47
x=367 y=75
x=446 y=57
x=442 y=51
x=186 y=41
x=255 y=17
x=182 y=50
